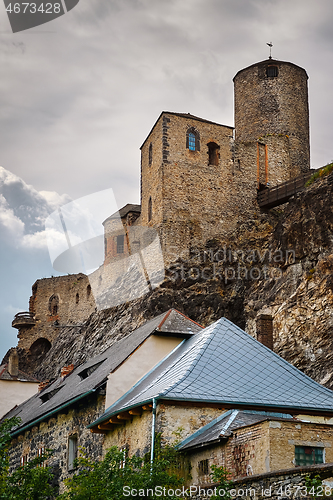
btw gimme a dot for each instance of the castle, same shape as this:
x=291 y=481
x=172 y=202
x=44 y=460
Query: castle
x=240 y=405
x=199 y=179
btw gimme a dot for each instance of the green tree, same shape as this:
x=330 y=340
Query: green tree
x=119 y=476
x=220 y=476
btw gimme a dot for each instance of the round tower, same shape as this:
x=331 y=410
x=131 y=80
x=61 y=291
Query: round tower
x=271 y=99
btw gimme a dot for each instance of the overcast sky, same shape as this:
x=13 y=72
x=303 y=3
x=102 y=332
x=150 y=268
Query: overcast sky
x=80 y=94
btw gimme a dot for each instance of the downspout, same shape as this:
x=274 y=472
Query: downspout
x=153 y=423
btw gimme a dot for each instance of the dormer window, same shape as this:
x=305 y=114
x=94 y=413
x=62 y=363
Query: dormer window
x=192 y=139
x=88 y=371
x=48 y=395
x=272 y=71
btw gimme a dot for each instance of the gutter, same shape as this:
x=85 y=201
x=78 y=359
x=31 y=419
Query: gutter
x=153 y=425
x=47 y=415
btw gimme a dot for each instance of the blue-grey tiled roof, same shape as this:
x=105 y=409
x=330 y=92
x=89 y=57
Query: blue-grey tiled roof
x=223 y=364
x=224 y=425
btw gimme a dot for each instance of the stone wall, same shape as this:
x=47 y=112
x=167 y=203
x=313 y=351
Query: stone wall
x=56 y=302
x=288 y=484
x=173 y=422
x=53 y=433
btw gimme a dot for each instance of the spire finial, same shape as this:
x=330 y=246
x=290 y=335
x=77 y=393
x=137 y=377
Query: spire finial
x=270 y=45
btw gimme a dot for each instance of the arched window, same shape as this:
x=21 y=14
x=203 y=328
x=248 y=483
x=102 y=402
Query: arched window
x=150 y=154
x=54 y=305
x=213 y=153
x=192 y=139
x=150 y=209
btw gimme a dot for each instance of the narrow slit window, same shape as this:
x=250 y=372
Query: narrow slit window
x=120 y=243
x=72 y=451
x=150 y=154
x=150 y=209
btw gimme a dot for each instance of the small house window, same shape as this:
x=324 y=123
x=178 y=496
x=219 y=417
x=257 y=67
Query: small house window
x=150 y=209
x=213 y=153
x=150 y=154
x=192 y=139
x=120 y=243
x=72 y=451
x=41 y=453
x=77 y=298
x=308 y=455
x=203 y=467
x=272 y=71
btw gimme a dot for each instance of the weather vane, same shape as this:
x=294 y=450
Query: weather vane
x=270 y=45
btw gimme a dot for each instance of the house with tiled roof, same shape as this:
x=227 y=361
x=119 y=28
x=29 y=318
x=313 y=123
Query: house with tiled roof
x=222 y=373
x=15 y=385
x=57 y=416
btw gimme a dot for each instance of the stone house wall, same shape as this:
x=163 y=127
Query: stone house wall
x=174 y=423
x=53 y=433
x=260 y=448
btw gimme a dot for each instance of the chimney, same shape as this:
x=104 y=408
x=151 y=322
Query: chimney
x=265 y=330
x=13 y=364
x=66 y=370
x=42 y=385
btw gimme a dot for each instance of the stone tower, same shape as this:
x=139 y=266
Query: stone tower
x=186 y=181
x=271 y=107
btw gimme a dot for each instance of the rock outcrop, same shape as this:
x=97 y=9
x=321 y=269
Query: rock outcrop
x=279 y=263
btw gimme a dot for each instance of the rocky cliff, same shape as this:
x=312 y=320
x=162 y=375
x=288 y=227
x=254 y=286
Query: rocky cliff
x=279 y=263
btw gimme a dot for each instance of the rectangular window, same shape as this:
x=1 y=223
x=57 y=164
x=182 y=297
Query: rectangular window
x=123 y=461
x=203 y=467
x=23 y=460
x=308 y=455
x=72 y=451
x=40 y=453
x=120 y=243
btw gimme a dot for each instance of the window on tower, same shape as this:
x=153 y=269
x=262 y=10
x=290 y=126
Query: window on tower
x=150 y=154
x=272 y=71
x=150 y=209
x=213 y=153
x=192 y=139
